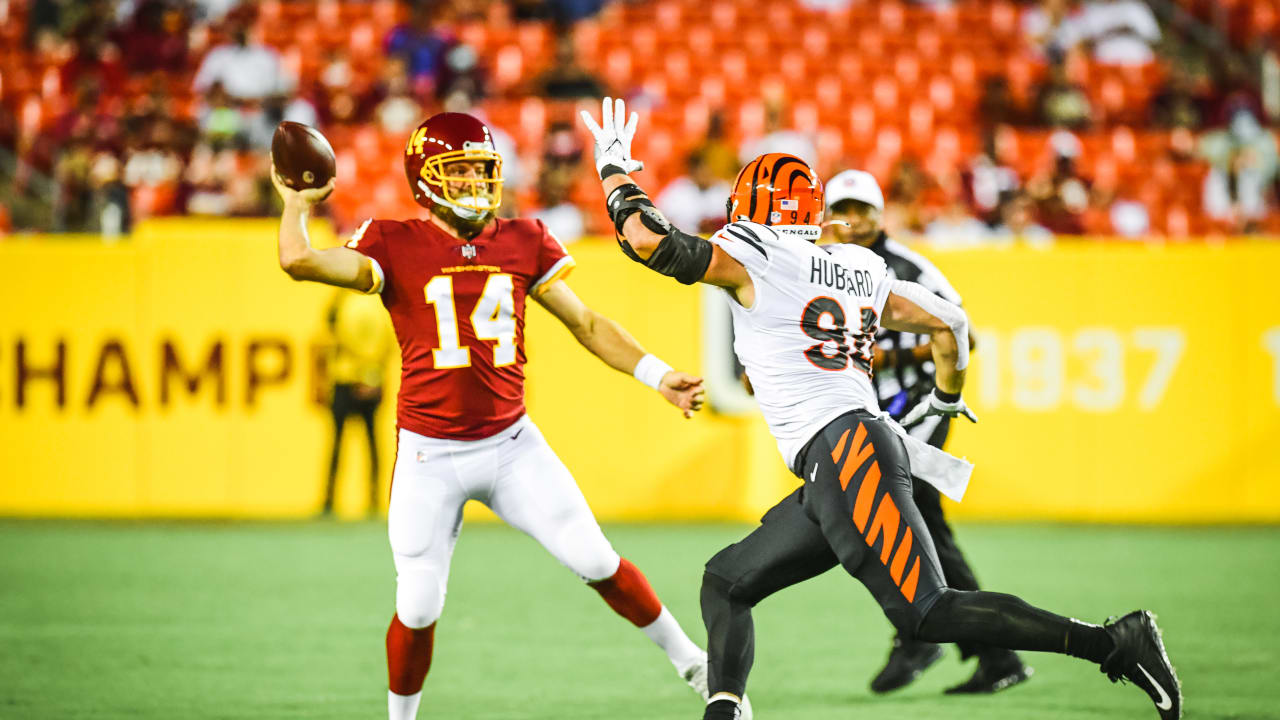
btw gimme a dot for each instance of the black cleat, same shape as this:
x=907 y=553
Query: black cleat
x=993 y=675
x=1139 y=657
x=906 y=662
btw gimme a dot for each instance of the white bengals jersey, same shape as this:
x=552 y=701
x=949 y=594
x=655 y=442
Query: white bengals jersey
x=807 y=341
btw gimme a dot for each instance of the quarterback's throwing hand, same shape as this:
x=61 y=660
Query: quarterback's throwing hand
x=613 y=136
x=934 y=405
x=309 y=197
x=684 y=391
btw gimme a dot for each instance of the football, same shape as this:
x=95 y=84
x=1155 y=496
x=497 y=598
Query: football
x=302 y=156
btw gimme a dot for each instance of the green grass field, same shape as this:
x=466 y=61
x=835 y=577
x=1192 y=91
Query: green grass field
x=174 y=620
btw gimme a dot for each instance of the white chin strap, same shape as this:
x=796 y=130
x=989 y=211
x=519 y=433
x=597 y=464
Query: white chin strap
x=466 y=213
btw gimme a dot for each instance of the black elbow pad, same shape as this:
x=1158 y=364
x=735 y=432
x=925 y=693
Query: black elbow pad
x=681 y=256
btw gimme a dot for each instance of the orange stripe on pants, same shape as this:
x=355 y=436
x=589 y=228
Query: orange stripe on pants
x=835 y=454
x=855 y=461
x=909 y=587
x=885 y=523
x=866 y=494
x=900 y=557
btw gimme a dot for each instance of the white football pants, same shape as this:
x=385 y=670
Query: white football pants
x=516 y=474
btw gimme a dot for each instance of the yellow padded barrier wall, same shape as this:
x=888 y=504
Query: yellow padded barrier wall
x=173 y=375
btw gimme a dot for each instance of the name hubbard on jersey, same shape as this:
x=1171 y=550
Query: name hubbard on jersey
x=836 y=276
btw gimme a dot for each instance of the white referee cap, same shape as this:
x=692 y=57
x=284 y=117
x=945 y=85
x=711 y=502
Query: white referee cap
x=855 y=185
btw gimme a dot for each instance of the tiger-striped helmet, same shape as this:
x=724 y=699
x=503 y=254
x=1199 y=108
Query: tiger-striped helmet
x=777 y=189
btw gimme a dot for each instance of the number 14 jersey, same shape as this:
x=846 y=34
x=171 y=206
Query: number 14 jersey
x=808 y=339
x=458 y=312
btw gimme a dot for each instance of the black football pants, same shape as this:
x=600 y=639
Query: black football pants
x=856 y=509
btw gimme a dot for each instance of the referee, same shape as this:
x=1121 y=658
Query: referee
x=903 y=374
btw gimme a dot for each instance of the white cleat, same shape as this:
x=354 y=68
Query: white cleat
x=696 y=676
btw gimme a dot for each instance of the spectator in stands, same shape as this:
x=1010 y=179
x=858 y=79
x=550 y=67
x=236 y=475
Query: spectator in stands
x=986 y=182
x=421 y=43
x=462 y=70
x=204 y=180
x=1177 y=104
x=1120 y=32
x=777 y=138
x=561 y=161
x=109 y=204
x=1043 y=25
x=98 y=61
x=566 y=79
x=562 y=217
x=1017 y=225
x=72 y=206
x=1062 y=103
x=1243 y=162
x=155 y=38
x=342 y=96
x=399 y=111
x=86 y=119
x=153 y=168
x=1062 y=195
x=905 y=211
x=218 y=118
x=695 y=201
x=956 y=227
x=997 y=105
x=716 y=151
x=247 y=70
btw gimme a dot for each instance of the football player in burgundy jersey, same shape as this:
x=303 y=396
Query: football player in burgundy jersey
x=455 y=284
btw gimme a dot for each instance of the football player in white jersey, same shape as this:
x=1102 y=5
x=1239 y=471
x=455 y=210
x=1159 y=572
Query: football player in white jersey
x=805 y=319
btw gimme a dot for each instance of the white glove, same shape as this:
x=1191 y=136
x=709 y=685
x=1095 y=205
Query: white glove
x=934 y=405
x=613 y=138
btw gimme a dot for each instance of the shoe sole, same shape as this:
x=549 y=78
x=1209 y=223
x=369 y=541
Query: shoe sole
x=1017 y=678
x=1155 y=634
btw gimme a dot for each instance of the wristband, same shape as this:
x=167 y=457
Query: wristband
x=611 y=170
x=650 y=371
x=946 y=397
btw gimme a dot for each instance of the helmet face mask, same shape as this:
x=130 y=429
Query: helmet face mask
x=778 y=189
x=433 y=154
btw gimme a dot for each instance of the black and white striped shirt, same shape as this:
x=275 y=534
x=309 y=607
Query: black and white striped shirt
x=903 y=381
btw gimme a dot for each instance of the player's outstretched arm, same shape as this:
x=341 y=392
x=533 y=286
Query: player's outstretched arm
x=333 y=266
x=644 y=234
x=912 y=308
x=611 y=343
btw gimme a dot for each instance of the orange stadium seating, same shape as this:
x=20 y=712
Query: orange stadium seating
x=877 y=81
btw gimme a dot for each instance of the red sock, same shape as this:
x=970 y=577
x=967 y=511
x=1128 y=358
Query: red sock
x=408 y=656
x=629 y=594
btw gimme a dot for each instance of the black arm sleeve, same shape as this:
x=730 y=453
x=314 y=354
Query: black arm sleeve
x=681 y=256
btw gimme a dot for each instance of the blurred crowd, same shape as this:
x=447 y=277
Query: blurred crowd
x=168 y=107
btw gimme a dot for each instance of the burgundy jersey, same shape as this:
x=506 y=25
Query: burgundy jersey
x=458 y=312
